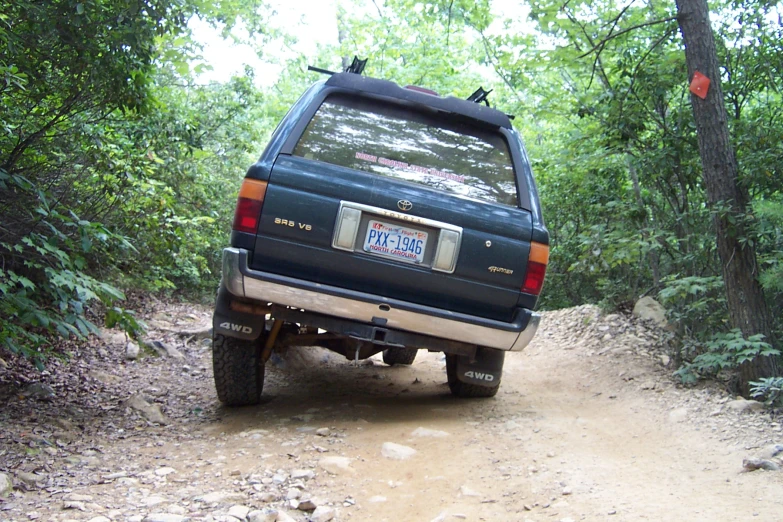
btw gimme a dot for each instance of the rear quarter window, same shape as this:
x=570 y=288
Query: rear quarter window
x=424 y=148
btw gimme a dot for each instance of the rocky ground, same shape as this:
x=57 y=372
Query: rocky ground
x=588 y=425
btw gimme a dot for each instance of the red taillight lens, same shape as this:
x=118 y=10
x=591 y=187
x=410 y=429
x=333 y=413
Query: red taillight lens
x=534 y=281
x=248 y=212
x=536 y=268
x=246 y=216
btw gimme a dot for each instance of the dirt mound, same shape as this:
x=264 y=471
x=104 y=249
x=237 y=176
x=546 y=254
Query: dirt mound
x=586 y=329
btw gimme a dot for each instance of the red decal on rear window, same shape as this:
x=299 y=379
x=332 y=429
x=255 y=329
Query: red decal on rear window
x=405 y=166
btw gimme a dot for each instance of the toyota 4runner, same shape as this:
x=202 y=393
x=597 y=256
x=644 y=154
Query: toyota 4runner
x=384 y=219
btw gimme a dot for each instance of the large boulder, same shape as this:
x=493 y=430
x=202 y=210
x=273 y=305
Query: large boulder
x=651 y=310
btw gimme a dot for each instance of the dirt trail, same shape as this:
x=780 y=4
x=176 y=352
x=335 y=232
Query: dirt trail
x=585 y=427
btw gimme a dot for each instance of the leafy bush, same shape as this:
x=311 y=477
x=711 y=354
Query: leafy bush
x=724 y=351
x=697 y=304
x=769 y=389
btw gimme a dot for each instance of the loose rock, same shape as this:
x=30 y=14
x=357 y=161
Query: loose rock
x=302 y=474
x=72 y=504
x=282 y=516
x=425 y=432
x=132 y=351
x=754 y=464
x=151 y=412
x=163 y=517
x=239 y=512
x=465 y=491
x=678 y=415
x=262 y=516
x=5 y=485
x=30 y=479
x=336 y=465
x=394 y=451
x=322 y=514
x=742 y=405
x=307 y=505
x=38 y=391
x=219 y=496
x=773 y=451
x=651 y=310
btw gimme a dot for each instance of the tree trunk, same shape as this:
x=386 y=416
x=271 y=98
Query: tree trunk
x=747 y=307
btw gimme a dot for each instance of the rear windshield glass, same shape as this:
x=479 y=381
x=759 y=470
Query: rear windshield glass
x=399 y=143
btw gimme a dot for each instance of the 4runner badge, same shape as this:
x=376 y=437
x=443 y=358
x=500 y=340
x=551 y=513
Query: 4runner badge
x=404 y=205
x=496 y=269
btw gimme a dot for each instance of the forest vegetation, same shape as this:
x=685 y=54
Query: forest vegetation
x=119 y=168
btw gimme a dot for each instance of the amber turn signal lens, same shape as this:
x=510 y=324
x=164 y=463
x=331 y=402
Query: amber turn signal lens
x=536 y=268
x=249 y=203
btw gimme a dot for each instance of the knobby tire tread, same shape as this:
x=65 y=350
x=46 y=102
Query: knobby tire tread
x=399 y=355
x=239 y=375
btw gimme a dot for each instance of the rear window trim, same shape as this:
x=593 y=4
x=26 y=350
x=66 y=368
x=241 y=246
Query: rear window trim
x=523 y=197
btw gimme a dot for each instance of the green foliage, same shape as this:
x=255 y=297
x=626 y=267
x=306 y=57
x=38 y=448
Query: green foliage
x=118 y=170
x=112 y=167
x=770 y=390
x=45 y=287
x=698 y=304
x=770 y=216
x=724 y=352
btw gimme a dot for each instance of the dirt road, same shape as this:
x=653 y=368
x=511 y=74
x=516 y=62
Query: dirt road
x=587 y=426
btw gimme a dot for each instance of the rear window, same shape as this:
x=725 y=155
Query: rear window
x=421 y=148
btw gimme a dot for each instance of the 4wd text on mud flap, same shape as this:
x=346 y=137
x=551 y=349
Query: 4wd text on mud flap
x=236 y=328
x=480 y=376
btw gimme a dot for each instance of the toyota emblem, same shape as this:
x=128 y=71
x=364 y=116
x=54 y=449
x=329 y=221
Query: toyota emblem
x=404 y=205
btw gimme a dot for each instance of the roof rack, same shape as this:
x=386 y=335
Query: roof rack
x=480 y=95
x=357 y=67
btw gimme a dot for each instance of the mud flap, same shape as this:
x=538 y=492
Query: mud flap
x=232 y=323
x=485 y=369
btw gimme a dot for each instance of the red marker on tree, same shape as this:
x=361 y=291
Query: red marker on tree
x=700 y=84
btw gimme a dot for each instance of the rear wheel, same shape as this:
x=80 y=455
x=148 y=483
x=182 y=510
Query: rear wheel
x=238 y=371
x=462 y=389
x=399 y=355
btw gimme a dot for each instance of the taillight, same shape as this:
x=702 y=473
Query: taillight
x=536 y=268
x=249 y=203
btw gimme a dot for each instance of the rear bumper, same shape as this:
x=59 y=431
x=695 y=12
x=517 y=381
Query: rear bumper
x=376 y=310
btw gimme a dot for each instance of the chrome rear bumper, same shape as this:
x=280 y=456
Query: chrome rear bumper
x=242 y=281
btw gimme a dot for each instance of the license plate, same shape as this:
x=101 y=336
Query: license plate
x=405 y=244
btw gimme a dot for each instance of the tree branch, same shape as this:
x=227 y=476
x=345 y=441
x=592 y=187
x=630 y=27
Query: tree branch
x=611 y=36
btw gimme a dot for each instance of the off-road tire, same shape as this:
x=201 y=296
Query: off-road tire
x=399 y=355
x=239 y=374
x=465 y=390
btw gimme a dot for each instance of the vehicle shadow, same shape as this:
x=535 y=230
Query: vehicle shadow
x=336 y=391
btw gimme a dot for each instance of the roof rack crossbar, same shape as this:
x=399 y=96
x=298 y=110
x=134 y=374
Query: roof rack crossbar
x=319 y=70
x=357 y=67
